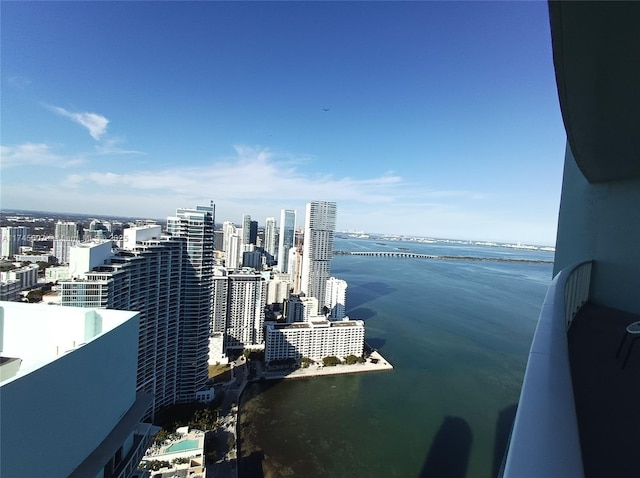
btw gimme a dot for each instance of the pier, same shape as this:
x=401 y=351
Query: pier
x=413 y=255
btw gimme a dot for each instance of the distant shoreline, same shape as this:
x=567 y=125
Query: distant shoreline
x=412 y=255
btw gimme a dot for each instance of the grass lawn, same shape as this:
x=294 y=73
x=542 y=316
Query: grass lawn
x=221 y=373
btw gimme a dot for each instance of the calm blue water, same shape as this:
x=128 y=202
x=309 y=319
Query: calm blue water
x=183 y=445
x=457 y=333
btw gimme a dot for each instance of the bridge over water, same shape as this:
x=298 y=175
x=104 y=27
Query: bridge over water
x=413 y=255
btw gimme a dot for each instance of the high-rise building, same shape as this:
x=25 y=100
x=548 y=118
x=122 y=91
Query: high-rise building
x=67 y=234
x=12 y=237
x=148 y=278
x=270 y=237
x=245 y=310
x=195 y=226
x=287 y=237
x=336 y=297
x=319 y=229
x=253 y=232
x=246 y=229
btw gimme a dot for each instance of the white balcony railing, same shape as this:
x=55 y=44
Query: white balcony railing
x=544 y=439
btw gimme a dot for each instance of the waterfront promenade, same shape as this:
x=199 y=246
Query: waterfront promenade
x=374 y=363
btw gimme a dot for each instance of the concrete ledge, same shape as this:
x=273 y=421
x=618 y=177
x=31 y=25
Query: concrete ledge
x=317 y=371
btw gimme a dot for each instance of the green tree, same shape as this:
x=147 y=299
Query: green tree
x=351 y=359
x=161 y=436
x=331 y=361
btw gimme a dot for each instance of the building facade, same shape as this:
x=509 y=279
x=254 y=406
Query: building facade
x=315 y=340
x=336 y=298
x=245 y=309
x=270 y=238
x=195 y=226
x=73 y=372
x=319 y=229
x=11 y=238
x=286 y=239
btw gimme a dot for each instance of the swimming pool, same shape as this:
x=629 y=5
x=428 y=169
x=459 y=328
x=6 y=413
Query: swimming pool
x=183 y=445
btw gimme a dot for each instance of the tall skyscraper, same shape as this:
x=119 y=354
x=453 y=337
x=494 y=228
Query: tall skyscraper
x=253 y=232
x=319 y=229
x=195 y=226
x=246 y=229
x=147 y=277
x=287 y=237
x=245 y=311
x=270 y=237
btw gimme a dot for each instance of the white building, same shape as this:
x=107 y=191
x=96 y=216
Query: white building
x=336 y=298
x=287 y=237
x=319 y=228
x=11 y=238
x=302 y=309
x=135 y=235
x=245 y=312
x=85 y=256
x=33 y=258
x=195 y=226
x=147 y=279
x=315 y=340
x=71 y=372
x=278 y=288
x=27 y=276
x=270 y=237
x=67 y=234
x=169 y=280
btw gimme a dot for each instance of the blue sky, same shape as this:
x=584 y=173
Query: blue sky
x=422 y=118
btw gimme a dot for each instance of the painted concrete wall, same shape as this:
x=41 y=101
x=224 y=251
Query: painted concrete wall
x=601 y=222
x=54 y=416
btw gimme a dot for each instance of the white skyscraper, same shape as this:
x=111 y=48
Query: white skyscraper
x=195 y=226
x=270 y=236
x=245 y=309
x=228 y=228
x=287 y=237
x=336 y=298
x=319 y=229
x=146 y=278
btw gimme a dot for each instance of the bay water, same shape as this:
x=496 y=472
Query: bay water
x=458 y=335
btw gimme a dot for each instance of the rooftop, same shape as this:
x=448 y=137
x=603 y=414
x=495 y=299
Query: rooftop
x=39 y=333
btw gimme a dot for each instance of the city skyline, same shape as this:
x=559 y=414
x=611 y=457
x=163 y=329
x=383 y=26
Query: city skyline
x=444 y=123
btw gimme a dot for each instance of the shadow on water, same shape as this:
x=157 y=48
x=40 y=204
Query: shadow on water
x=356 y=296
x=449 y=454
x=251 y=466
x=503 y=431
x=375 y=344
x=361 y=313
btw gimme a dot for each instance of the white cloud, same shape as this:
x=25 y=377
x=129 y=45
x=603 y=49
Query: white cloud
x=29 y=154
x=260 y=182
x=95 y=123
